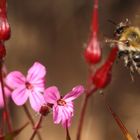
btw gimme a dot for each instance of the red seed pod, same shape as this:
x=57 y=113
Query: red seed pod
x=102 y=76
x=93 y=51
x=5 y=30
x=2 y=51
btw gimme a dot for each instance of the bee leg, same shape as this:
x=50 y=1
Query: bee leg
x=132 y=75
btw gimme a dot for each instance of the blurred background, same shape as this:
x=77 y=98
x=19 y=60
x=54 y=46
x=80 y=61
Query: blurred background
x=54 y=33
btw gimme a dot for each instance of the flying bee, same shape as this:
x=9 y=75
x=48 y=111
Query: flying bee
x=127 y=39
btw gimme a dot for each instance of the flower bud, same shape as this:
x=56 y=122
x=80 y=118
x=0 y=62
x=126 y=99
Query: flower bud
x=5 y=30
x=102 y=76
x=44 y=110
x=93 y=51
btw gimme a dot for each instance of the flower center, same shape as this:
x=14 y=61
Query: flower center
x=28 y=85
x=61 y=102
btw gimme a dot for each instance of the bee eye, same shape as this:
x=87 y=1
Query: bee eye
x=119 y=30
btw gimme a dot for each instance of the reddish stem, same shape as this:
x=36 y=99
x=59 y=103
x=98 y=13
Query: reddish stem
x=31 y=119
x=67 y=134
x=81 y=121
x=4 y=100
x=83 y=112
x=36 y=127
x=95 y=18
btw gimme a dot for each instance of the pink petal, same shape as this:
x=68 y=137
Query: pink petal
x=15 y=79
x=66 y=117
x=76 y=92
x=36 y=100
x=39 y=86
x=69 y=107
x=51 y=95
x=36 y=72
x=57 y=114
x=66 y=123
x=20 y=95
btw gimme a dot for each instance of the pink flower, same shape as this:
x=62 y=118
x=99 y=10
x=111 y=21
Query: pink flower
x=31 y=86
x=62 y=106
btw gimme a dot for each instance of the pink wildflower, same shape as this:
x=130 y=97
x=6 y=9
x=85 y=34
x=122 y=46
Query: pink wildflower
x=31 y=86
x=62 y=106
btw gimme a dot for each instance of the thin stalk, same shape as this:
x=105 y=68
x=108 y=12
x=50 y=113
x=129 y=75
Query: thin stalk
x=67 y=134
x=8 y=118
x=81 y=121
x=83 y=112
x=3 y=122
x=31 y=119
x=36 y=127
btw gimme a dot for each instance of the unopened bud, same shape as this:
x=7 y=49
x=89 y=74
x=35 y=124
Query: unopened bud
x=5 y=30
x=102 y=76
x=93 y=51
x=44 y=110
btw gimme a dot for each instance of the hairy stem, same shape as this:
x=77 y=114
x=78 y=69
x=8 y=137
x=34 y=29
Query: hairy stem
x=31 y=119
x=36 y=127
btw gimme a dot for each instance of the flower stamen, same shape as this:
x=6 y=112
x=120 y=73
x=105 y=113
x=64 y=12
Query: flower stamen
x=61 y=102
x=28 y=85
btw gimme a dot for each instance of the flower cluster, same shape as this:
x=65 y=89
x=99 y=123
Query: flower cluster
x=32 y=87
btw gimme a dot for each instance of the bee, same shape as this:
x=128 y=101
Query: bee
x=127 y=39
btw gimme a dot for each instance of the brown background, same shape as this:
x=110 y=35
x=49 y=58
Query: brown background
x=54 y=32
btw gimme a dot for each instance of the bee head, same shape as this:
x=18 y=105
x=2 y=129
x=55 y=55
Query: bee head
x=120 y=28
